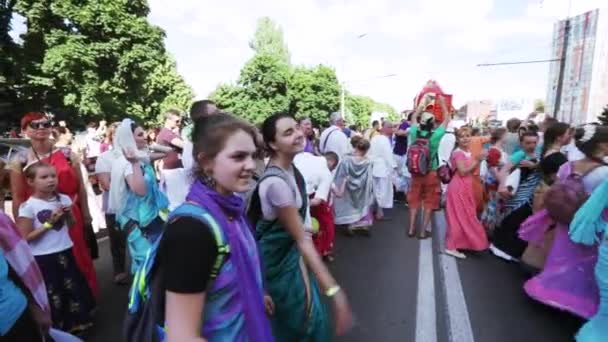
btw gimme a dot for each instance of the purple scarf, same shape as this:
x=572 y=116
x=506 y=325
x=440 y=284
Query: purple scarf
x=256 y=323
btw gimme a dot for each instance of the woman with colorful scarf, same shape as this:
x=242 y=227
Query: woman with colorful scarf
x=223 y=284
x=566 y=281
x=135 y=196
x=37 y=127
x=292 y=267
x=589 y=227
x=26 y=314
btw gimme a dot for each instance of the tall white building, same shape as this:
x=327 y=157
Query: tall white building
x=585 y=82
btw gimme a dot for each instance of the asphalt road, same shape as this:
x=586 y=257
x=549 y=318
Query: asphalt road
x=477 y=299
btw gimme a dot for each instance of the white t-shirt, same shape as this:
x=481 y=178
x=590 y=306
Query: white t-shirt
x=57 y=238
x=334 y=140
x=104 y=165
x=316 y=174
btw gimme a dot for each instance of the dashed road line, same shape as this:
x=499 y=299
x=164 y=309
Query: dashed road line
x=458 y=322
x=426 y=315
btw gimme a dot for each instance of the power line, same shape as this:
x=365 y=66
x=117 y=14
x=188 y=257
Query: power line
x=520 y=62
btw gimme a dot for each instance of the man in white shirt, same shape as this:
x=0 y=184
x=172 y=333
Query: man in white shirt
x=118 y=239
x=333 y=139
x=384 y=166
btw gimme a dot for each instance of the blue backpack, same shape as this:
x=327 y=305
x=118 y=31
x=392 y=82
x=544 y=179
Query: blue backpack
x=147 y=297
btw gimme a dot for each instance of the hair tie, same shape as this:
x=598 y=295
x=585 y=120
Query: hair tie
x=589 y=132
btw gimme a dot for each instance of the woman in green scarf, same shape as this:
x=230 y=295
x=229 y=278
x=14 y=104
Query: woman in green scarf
x=295 y=276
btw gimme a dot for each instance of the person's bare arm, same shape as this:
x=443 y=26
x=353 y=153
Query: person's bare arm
x=82 y=191
x=183 y=315
x=177 y=142
x=464 y=169
x=26 y=229
x=136 y=181
x=446 y=113
x=17 y=181
x=402 y=133
x=104 y=180
x=290 y=218
x=154 y=156
x=339 y=190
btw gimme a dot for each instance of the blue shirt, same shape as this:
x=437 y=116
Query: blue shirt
x=144 y=209
x=12 y=301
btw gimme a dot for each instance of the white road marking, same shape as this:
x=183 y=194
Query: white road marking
x=426 y=316
x=458 y=322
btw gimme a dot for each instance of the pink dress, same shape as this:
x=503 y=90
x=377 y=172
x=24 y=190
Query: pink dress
x=464 y=230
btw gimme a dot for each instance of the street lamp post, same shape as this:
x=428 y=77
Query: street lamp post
x=343 y=85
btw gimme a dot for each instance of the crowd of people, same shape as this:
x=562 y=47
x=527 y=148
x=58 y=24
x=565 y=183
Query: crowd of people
x=228 y=227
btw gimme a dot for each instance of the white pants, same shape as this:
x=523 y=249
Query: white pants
x=175 y=183
x=383 y=192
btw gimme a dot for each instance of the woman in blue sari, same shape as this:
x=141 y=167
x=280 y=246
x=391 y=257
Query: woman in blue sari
x=590 y=226
x=294 y=273
x=135 y=196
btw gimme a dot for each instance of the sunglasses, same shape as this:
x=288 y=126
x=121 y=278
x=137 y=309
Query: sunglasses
x=40 y=124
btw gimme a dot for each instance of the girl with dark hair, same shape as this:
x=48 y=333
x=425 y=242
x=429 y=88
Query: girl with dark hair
x=134 y=195
x=566 y=281
x=70 y=182
x=223 y=283
x=280 y=212
x=556 y=136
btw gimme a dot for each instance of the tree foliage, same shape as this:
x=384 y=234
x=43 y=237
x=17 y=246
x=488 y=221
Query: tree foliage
x=269 y=84
x=268 y=39
x=314 y=92
x=539 y=105
x=94 y=59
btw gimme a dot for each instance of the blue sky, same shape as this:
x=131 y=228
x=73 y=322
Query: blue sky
x=415 y=39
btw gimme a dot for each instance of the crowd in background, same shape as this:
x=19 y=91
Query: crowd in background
x=234 y=223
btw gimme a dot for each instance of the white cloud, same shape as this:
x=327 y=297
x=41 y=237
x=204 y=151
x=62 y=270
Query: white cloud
x=418 y=40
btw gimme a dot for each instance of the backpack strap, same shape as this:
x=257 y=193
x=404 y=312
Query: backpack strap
x=195 y=211
x=323 y=146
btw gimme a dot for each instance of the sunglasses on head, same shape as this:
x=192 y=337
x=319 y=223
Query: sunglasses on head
x=40 y=124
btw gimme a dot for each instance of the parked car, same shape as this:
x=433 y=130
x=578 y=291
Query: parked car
x=9 y=148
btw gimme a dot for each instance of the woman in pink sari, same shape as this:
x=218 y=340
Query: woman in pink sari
x=567 y=281
x=464 y=231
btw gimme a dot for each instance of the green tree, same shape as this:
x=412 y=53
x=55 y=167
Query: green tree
x=539 y=105
x=603 y=118
x=268 y=39
x=262 y=89
x=314 y=92
x=359 y=109
x=93 y=59
x=9 y=56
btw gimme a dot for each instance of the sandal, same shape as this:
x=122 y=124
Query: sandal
x=425 y=234
x=411 y=233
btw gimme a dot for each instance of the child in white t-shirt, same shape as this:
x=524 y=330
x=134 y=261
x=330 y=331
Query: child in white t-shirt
x=43 y=221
